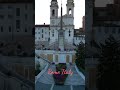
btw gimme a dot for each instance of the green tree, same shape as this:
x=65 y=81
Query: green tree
x=37 y=69
x=80 y=56
x=109 y=65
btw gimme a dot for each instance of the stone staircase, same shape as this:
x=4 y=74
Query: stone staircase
x=75 y=79
x=40 y=43
x=69 y=45
x=55 y=45
x=47 y=78
x=52 y=46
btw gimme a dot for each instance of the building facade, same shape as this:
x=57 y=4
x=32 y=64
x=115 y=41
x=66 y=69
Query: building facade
x=57 y=41
x=49 y=33
x=101 y=22
x=16 y=18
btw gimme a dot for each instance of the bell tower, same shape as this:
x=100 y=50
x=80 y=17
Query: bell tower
x=54 y=9
x=70 y=8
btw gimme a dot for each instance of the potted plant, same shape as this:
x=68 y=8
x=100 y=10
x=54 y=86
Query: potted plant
x=60 y=78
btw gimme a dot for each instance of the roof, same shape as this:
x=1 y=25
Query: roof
x=42 y=25
x=78 y=32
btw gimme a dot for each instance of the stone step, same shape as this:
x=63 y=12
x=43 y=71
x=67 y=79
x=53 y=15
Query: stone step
x=47 y=78
x=76 y=78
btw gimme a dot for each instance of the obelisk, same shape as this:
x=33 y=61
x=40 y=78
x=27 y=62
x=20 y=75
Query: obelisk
x=61 y=33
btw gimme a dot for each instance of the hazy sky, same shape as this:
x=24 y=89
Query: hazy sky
x=42 y=11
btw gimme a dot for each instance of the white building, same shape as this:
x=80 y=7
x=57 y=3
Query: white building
x=50 y=32
x=42 y=33
x=16 y=18
x=79 y=36
x=57 y=41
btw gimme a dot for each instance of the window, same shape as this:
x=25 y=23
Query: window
x=9 y=28
x=9 y=7
x=42 y=35
x=116 y=1
x=33 y=31
x=26 y=6
x=70 y=11
x=1 y=7
x=26 y=16
x=99 y=29
x=113 y=30
x=25 y=29
x=106 y=30
x=38 y=32
x=10 y=16
x=1 y=16
x=17 y=11
x=69 y=33
x=82 y=37
x=33 y=6
x=42 y=30
x=53 y=12
x=17 y=24
x=119 y=31
x=1 y=28
x=33 y=17
x=53 y=35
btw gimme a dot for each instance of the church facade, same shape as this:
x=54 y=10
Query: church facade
x=58 y=40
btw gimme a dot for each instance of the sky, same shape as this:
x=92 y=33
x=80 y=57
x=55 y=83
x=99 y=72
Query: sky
x=42 y=11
